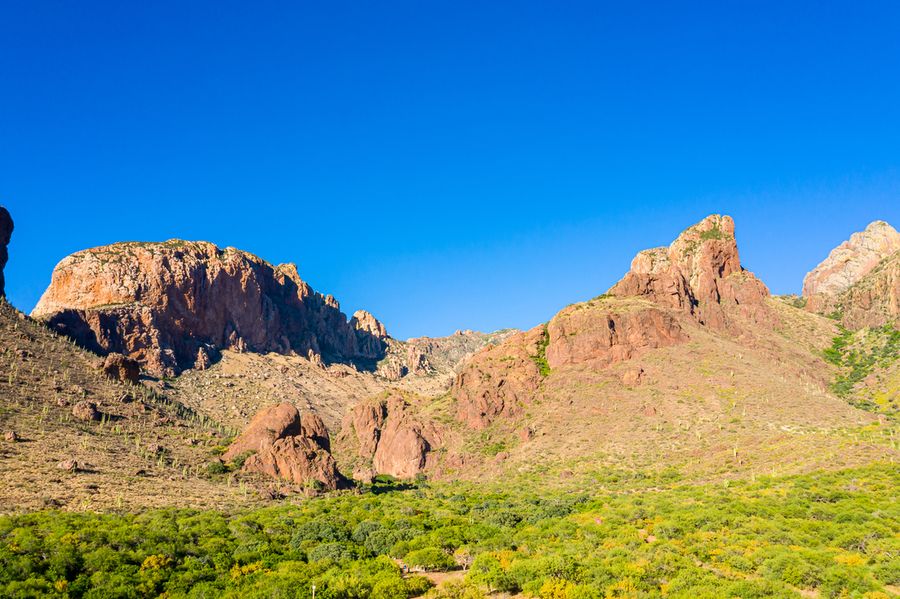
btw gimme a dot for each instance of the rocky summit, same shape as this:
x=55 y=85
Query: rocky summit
x=698 y=273
x=175 y=304
x=6 y=229
x=852 y=260
x=859 y=282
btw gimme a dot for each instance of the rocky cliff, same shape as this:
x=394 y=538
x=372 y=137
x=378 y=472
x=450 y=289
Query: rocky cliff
x=698 y=273
x=859 y=281
x=6 y=229
x=171 y=305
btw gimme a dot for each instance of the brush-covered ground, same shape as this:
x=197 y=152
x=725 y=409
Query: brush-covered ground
x=144 y=451
x=824 y=535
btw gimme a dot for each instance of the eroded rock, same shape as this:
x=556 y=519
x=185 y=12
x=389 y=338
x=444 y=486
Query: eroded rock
x=288 y=446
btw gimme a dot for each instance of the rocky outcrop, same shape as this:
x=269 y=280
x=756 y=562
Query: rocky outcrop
x=428 y=356
x=168 y=304
x=390 y=438
x=119 y=368
x=500 y=380
x=699 y=273
x=872 y=301
x=287 y=446
x=859 y=282
x=852 y=260
x=603 y=333
x=371 y=336
x=6 y=229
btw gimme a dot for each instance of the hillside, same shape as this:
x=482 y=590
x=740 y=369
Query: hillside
x=142 y=450
x=686 y=363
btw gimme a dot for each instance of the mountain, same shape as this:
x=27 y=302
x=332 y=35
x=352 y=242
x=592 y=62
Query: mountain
x=859 y=282
x=686 y=364
x=177 y=304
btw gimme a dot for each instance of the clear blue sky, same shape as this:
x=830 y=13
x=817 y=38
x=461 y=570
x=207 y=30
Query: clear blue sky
x=447 y=164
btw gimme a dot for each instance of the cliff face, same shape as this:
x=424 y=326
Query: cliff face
x=171 y=304
x=6 y=229
x=859 y=281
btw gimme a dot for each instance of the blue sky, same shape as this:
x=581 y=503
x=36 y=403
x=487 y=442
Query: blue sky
x=447 y=165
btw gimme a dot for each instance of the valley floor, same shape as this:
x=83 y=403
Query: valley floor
x=827 y=534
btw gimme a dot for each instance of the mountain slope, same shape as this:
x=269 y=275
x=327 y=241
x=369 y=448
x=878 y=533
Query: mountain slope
x=687 y=363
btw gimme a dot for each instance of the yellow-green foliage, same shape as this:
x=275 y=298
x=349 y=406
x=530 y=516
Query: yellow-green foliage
x=832 y=533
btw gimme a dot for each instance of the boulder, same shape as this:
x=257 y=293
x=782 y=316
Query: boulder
x=296 y=459
x=268 y=425
x=119 y=368
x=391 y=438
x=87 y=411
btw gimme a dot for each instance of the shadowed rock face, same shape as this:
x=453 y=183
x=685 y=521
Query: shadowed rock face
x=698 y=273
x=165 y=304
x=390 y=437
x=288 y=446
x=6 y=229
x=859 y=281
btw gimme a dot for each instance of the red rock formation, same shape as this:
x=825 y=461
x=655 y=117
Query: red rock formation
x=500 y=380
x=698 y=273
x=6 y=229
x=371 y=334
x=162 y=303
x=287 y=446
x=582 y=333
x=391 y=437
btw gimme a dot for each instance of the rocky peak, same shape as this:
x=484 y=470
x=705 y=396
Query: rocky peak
x=6 y=229
x=852 y=260
x=697 y=273
x=371 y=334
x=162 y=303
